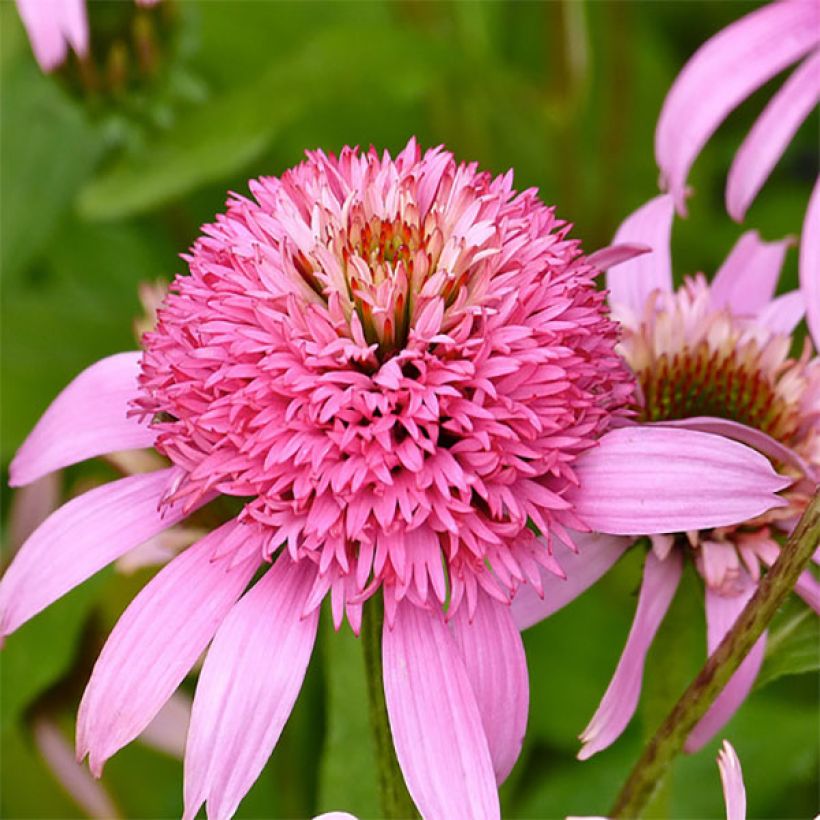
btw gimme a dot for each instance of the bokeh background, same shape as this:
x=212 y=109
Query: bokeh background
x=107 y=174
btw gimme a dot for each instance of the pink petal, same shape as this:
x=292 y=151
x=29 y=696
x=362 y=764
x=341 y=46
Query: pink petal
x=249 y=683
x=596 y=554
x=660 y=581
x=168 y=731
x=808 y=588
x=78 y=540
x=88 y=793
x=810 y=264
x=645 y=480
x=650 y=225
x=435 y=720
x=42 y=24
x=731 y=776
x=748 y=277
x=158 y=639
x=30 y=506
x=87 y=419
x=721 y=613
x=751 y=436
x=612 y=255
x=771 y=133
x=721 y=74
x=493 y=656
x=75 y=25
x=783 y=314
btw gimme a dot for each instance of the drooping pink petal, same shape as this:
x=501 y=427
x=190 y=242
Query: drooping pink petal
x=436 y=723
x=87 y=419
x=751 y=436
x=721 y=74
x=771 y=133
x=660 y=581
x=783 y=314
x=493 y=656
x=808 y=588
x=612 y=255
x=810 y=264
x=731 y=776
x=168 y=731
x=721 y=613
x=645 y=480
x=633 y=281
x=75 y=24
x=79 y=539
x=596 y=554
x=30 y=506
x=87 y=792
x=746 y=281
x=248 y=685
x=158 y=639
x=51 y=25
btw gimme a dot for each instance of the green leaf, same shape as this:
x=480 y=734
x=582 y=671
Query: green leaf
x=793 y=645
x=347 y=779
x=224 y=136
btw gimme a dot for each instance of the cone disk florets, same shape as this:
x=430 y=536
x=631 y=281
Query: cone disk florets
x=395 y=364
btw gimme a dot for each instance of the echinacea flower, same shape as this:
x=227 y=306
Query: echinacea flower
x=54 y=26
x=713 y=358
x=394 y=366
x=722 y=73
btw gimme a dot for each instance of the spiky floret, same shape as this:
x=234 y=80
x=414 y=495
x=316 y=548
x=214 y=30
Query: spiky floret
x=396 y=362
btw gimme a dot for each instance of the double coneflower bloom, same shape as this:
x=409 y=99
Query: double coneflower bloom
x=393 y=367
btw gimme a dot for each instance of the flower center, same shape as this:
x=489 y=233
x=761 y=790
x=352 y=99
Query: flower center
x=701 y=381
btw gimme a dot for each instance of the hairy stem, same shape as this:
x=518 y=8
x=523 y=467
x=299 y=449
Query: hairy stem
x=668 y=741
x=396 y=802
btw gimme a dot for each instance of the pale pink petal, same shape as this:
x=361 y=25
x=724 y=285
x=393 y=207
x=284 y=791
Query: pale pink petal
x=30 y=506
x=75 y=25
x=748 y=277
x=731 y=776
x=87 y=419
x=78 y=540
x=808 y=588
x=168 y=730
x=645 y=480
x=336 y=815
x=612 y=255
x=596 y=554
x=721 y=613
x=435 y=720
x=493 y=656
x=42 y=21
x=771 y=133
x=721 y=74
x=158 y=639
x=783 y=314
x=660 y=581
x=249 y=683
x=751 y=436
x=810 y=264
x=87 y=792
x=633 y=281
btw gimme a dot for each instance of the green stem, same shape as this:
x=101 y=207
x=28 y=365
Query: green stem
x=396 y=802
x=669 y=739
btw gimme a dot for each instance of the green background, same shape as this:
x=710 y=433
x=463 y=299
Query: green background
x=100 y=193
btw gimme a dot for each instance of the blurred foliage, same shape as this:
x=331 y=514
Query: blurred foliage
x=99 y=194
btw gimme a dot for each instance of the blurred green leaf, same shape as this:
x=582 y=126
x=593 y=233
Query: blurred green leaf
x=348 y=776
x=793 y=645
x=224 y=136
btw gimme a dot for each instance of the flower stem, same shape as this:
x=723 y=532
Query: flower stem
x=669 y=739
x=396 y=802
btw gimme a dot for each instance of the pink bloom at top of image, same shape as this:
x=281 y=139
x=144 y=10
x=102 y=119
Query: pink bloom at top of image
x=394 y=365
x=54 y=26
x=721 y=74
x=712 y=358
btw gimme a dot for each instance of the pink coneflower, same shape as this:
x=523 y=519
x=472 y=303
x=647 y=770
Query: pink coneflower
x=395 y=365
x=711 y=358
x=722 y=73
x=54 y=26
